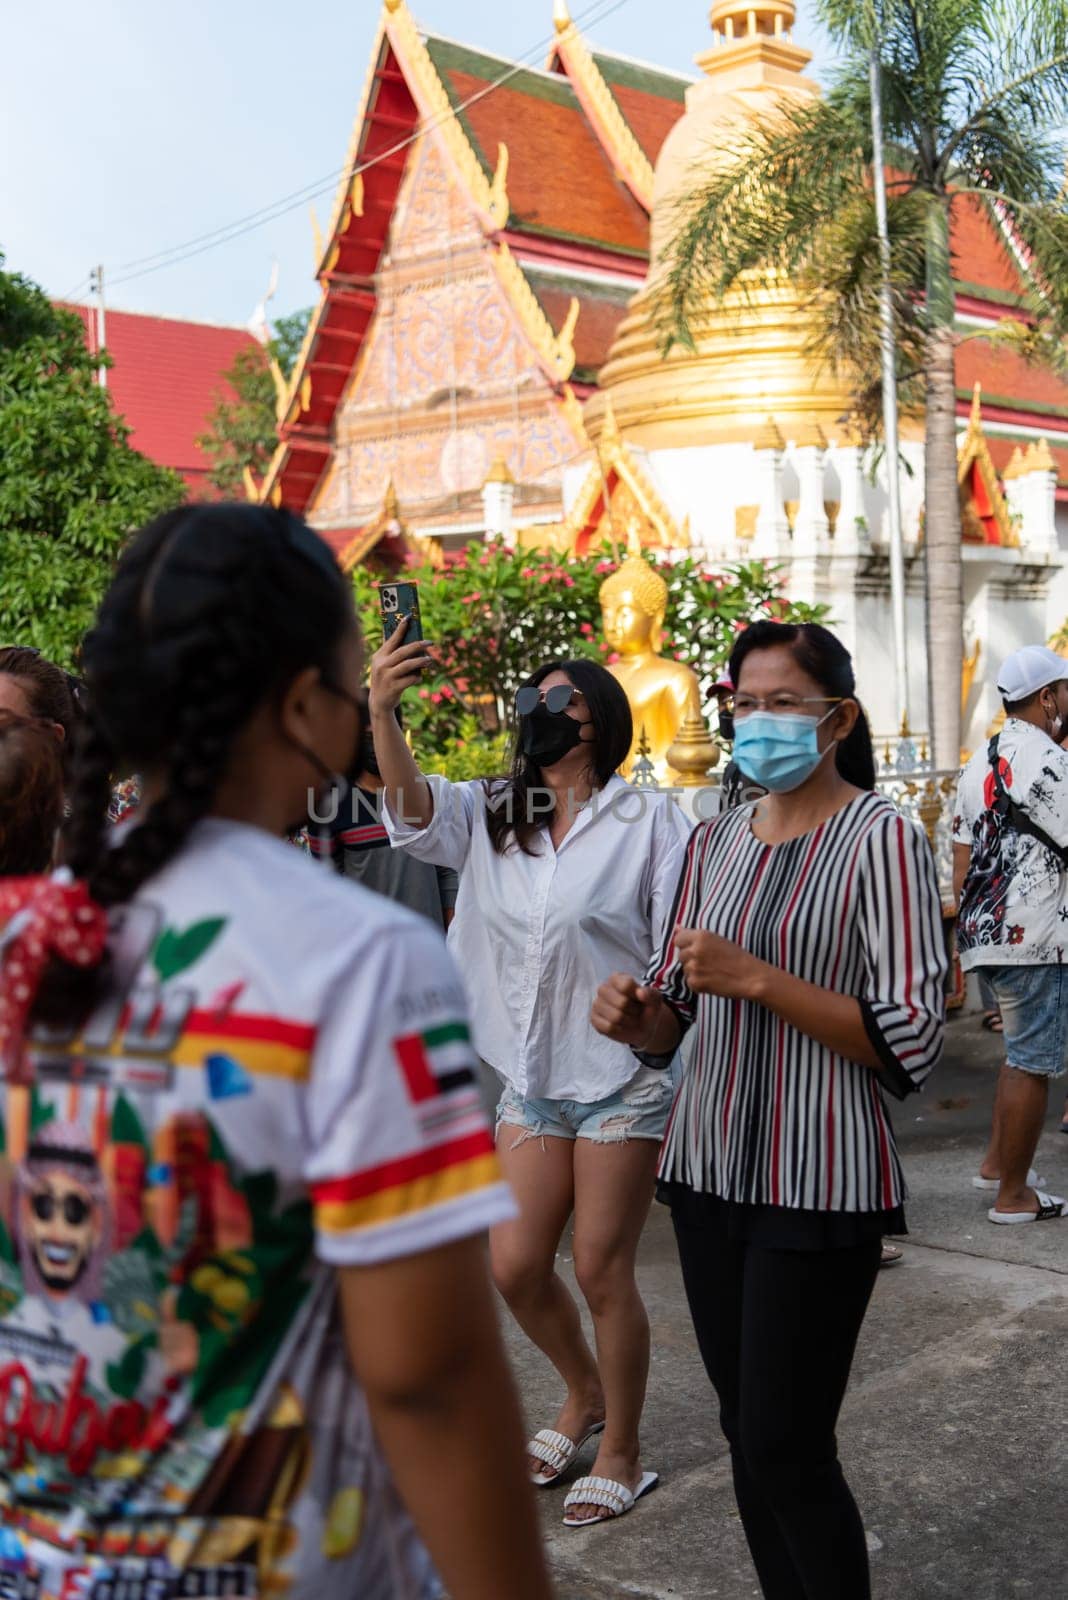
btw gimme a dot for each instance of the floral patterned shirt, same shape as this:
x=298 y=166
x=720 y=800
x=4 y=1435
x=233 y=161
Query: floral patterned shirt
x=1014 y=904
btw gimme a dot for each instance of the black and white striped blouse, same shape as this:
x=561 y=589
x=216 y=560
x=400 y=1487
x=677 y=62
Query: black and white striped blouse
x=766 y=1115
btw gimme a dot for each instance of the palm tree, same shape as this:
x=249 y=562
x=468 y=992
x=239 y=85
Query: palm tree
x=975 y=107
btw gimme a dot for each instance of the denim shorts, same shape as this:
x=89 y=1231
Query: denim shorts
x=637 y=1111
x=1033 y=1002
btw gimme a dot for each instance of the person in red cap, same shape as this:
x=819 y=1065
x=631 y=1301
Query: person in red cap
x=1010 y=865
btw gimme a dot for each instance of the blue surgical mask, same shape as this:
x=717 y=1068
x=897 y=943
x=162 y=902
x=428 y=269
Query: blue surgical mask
x=778 y=751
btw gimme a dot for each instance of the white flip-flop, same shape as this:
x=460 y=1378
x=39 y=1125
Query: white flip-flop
x=1050 y=1207
x=615 y=1499
x=994 y=1184
x=557 y=1451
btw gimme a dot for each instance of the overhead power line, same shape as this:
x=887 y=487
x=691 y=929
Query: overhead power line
x=226 y=233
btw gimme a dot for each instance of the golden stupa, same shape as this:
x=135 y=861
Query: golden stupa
x=751 y=360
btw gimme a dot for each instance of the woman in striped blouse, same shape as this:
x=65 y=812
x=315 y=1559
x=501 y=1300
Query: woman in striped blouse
x=805 y=946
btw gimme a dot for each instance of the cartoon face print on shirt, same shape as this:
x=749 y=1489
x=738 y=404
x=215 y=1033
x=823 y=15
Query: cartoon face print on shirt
x=62 y=1220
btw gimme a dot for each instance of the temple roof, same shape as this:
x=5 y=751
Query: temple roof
x=165 y=419
x=556 y=166
x=555 y=155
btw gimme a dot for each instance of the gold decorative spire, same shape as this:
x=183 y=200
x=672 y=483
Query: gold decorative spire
x=740 y=19
x=498 y=472
x=1016 y=467
x=808 y=435
x=768 y=437
x=1038 y=457
x=561 y=15
x=692 y=752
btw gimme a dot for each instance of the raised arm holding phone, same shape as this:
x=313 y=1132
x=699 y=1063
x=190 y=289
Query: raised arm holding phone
x=565 y=870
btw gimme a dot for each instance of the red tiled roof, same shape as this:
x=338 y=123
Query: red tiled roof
x=980 y=250
x=165 y=380
x=1008 y=379
x=651 y=101
x=560 y=182
x=601 y=309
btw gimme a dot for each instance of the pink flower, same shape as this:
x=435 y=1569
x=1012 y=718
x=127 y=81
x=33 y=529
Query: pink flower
x=613 y=658
x=435 y=698
x=485 y=560
x=602 y=647
x=424 y=694
x=586 y=628
x=526 y=572
x=469 y=599
x=546 y=577
x=604 y=566
x=569 y=583
x=446 y=692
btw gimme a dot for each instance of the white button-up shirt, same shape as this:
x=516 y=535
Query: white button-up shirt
x=535 y=935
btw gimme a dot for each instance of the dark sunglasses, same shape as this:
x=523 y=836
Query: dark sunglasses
x=556 y=699
x=75 y=1209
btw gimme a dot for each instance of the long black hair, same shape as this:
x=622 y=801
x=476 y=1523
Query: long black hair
x=508 y=818
x=213 y=609
x=825 y=659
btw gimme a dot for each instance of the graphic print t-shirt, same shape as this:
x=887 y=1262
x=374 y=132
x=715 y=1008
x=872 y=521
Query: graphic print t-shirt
x=278 y=1082
x=1014 y=903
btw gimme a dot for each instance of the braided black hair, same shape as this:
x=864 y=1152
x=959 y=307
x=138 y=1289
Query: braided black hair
x=212 y=610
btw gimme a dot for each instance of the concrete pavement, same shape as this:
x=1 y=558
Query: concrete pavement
x=953 y=1431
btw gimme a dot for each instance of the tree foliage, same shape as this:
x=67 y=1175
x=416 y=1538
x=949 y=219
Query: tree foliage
x=494 y=614
x=973 y=96
x=72 y=489
x=242 y=429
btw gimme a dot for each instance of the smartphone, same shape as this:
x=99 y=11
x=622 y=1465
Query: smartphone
x=400 y=600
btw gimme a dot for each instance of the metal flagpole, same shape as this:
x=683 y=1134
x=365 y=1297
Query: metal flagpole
x=889 y=374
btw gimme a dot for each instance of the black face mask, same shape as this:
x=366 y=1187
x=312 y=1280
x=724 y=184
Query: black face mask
x=334 y=783
x=546 y=736
x=726 y=726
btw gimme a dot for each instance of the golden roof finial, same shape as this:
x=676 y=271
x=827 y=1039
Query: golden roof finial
x=500 y=206
x=1038 y=457
x=393 y=5
x=610 y=434
x=390 y=503
x=561 y=16
x=976 y=418
x=1016 y=467
x=498 y=472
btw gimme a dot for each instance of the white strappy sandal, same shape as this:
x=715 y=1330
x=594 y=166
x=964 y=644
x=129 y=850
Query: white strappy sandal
x=557 y=1451
x=615 y=1499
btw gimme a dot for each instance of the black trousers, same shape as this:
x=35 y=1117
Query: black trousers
x=777 y=1330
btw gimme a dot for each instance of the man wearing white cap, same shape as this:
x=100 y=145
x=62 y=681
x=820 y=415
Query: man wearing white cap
x=1010 y=858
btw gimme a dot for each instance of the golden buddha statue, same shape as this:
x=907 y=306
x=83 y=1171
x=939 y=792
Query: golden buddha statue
x=662 y=693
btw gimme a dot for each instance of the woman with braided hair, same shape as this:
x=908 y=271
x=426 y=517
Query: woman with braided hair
x=272 y=1152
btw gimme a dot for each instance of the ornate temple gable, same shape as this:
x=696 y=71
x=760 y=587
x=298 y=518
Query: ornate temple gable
x=460 y=365
x=459 y=201
x=618 y=501
x=984 y=514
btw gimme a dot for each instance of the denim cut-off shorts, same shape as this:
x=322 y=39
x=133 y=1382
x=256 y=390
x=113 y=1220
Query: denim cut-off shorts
x=1033 y=1002
x=637 y=1111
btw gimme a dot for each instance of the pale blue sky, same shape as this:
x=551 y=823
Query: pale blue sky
x=130 y=126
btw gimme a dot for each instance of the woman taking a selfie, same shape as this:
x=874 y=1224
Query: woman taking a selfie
x=806 y=947
x=565 y=872
x=263 y=1172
